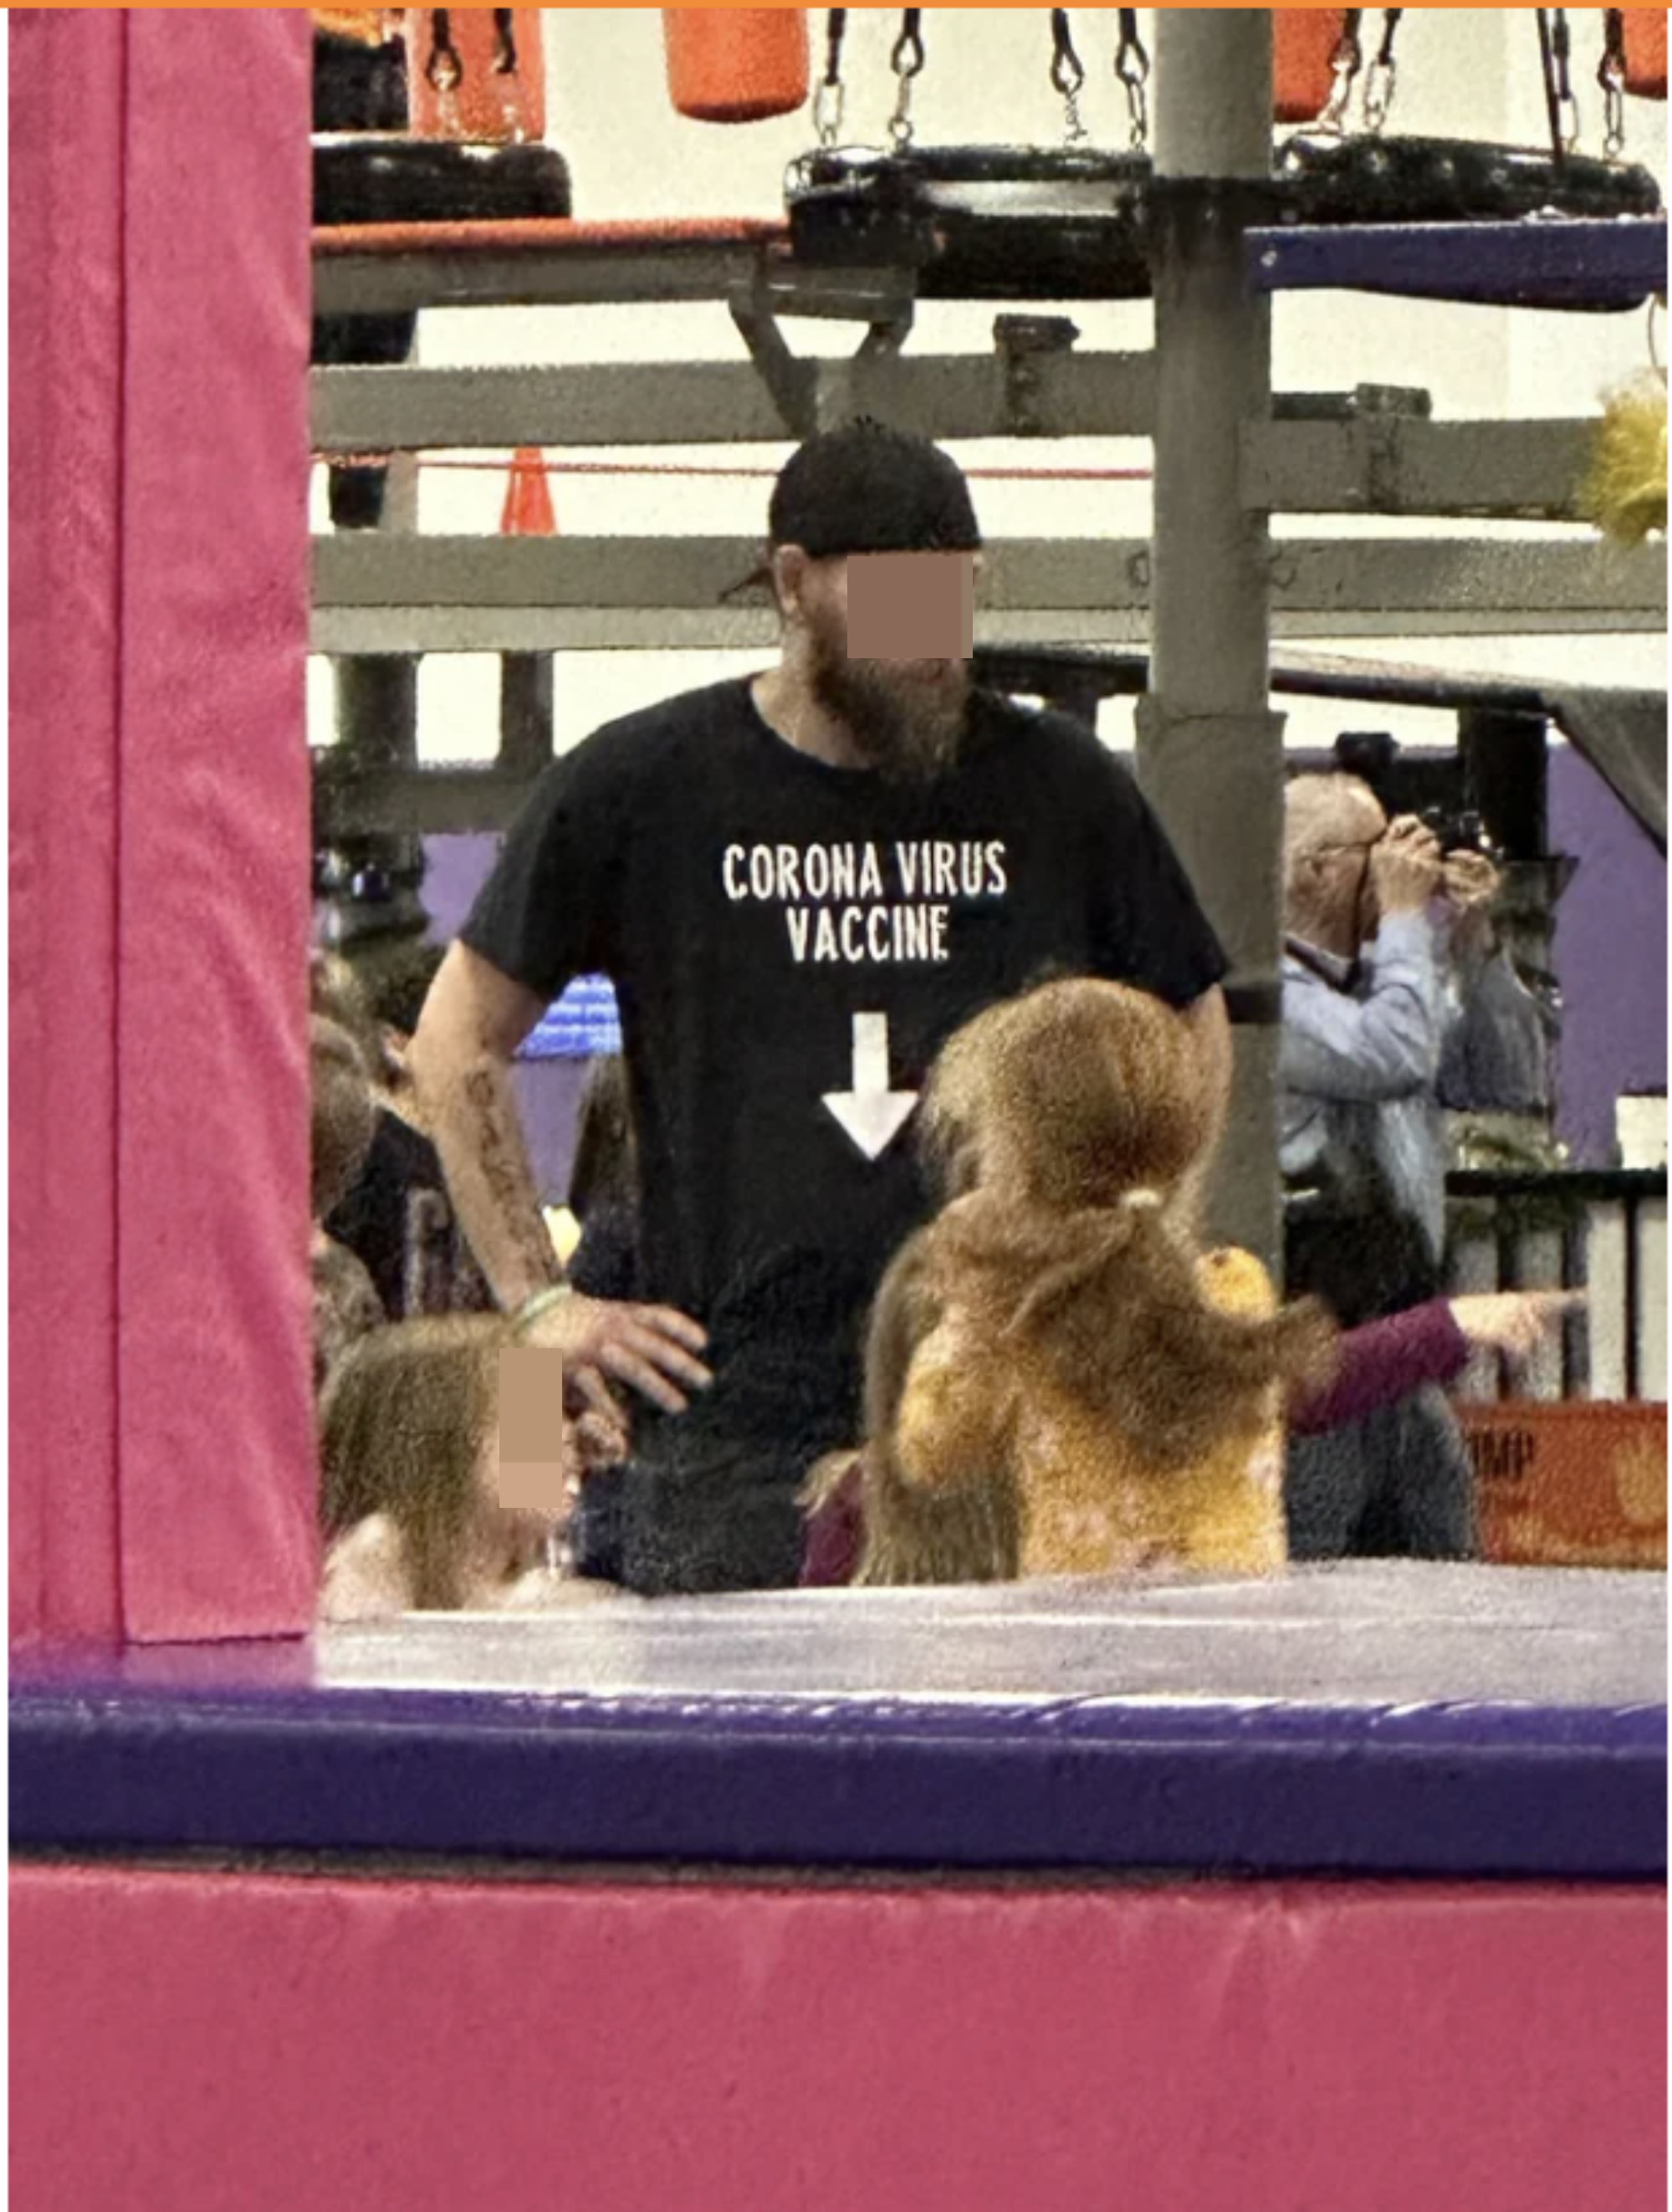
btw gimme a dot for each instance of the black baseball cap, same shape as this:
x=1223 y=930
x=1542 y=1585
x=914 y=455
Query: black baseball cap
x=867 y=489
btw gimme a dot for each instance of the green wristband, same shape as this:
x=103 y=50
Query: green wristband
x=542 y=1303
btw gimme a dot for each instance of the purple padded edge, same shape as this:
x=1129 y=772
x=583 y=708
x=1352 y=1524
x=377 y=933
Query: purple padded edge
x=1578 y=264
x=1446 y=1790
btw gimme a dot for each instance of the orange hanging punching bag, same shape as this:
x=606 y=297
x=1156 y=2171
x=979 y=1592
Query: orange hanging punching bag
x=736 y=64
x=1645 y=51
x=476 y=74
x=1304 y=43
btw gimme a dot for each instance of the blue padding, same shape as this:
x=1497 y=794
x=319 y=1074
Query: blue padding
x=1287 y=1790
x=1557 y=264
x=582 y=1024
x=225 y=1748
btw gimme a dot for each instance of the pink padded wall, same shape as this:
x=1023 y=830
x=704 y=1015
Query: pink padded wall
x=162 y=1445
x=188 y=2042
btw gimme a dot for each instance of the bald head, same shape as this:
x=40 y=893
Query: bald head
x=1329 y=824
x=1323 y=811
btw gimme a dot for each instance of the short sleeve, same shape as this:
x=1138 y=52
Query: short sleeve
x=550 y=909
x=1147 y=926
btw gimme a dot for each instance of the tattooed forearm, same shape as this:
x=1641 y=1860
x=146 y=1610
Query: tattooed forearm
x=509 y=1237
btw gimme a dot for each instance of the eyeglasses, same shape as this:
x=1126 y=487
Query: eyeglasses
x=1358 y=845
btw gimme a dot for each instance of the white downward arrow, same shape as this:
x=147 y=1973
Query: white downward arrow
x=871 y=1113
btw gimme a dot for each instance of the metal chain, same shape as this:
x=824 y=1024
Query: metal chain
x=1067 y=75
x=827 y=103
x=1611 y=75
x=1132 y=66
x=1555 y=51
x=1561 y=48
x=444 y=68
x=906 y=61
x=1345 y=64
x=1381 y=78
x=506 y=79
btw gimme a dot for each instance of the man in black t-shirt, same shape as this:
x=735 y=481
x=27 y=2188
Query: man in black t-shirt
x=800 y=884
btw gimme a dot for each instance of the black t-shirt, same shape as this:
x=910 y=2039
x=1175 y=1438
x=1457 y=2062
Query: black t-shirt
x=783 y=934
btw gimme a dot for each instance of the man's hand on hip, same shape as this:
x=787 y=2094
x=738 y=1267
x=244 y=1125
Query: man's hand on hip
x=651 y=1348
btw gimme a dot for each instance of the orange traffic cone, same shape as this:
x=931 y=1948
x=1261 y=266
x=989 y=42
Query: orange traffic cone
x=528 y=511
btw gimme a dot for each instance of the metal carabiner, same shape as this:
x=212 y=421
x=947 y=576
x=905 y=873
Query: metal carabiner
x=1345 y=64
x=905 y=60
x=1067 y=74
x=829 y=99
x=1380 y=78
x=1132 y=67
x=1611 y=75
x=444 y=69
x=1561 y=48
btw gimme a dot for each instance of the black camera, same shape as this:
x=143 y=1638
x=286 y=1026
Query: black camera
x=1459 y=830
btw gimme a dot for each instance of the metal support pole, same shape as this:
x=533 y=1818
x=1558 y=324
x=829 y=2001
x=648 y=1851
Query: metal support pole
x=525 y=712
x=374 y=881
x=1210 y=751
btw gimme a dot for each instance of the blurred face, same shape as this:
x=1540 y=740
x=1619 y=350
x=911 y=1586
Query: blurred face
x=506 y=1540
x=887 y=653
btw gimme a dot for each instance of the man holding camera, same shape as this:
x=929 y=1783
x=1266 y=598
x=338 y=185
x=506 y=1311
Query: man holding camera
x=1362 y=1148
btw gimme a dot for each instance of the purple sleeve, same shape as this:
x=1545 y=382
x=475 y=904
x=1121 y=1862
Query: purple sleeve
x=834 y=1537
x=1382 y=1362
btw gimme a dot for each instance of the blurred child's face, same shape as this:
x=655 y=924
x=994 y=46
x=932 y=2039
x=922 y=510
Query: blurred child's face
x=505 y=1541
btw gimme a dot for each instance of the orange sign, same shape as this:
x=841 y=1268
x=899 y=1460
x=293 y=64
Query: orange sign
x=1581 y=1484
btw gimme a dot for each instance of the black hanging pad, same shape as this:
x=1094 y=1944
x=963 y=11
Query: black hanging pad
x=979 y=222
x=1072 y=222
x=394 y=179
x=1352 y=180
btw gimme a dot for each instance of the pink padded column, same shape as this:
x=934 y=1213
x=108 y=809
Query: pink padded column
x=161 y=1435
x=216 y=1422
x=66 y=303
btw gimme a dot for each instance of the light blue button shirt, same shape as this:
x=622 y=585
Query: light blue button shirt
x=1358 y=1064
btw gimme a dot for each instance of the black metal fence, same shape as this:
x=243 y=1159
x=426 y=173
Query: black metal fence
x=1602 y=1231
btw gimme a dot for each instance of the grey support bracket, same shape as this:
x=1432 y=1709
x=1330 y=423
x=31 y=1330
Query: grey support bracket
x=1023 y=344
x=1385 y=464
x=793 y=384
x=815 y=395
